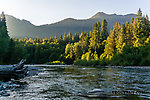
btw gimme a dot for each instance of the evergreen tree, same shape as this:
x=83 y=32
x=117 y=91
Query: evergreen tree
x=65 y=36
x=69 y=51
x=128 y=34
x=77 y=50
x=132 y=20
x=4 y=39
x=95 y=56
x=81 y=36
x=139 y=13
x=95 y=41
x=36 y=40
x=109 y=47
x=141 y=30
x=70 y=37
x=61 y=37
x=51 y=39
x=120 y=42
x=3 y=27
x=104 y=31
x=56 y=39
x=76 y=37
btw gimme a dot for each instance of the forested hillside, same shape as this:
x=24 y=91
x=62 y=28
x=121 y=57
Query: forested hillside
x=125 y=44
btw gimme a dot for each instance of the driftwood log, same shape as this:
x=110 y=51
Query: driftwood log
x=13 y=71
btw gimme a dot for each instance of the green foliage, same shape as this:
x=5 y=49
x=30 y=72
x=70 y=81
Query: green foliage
x=4 y=40
x=4 y=45
x=55 y=63
x=87 y=56
x=132 y=56
x=109 y=46
x=126 y=44
x=95 y=40
x=104 y=31
x=77 y=50
x=120 y=42
x=139 y=13
x=140 y=30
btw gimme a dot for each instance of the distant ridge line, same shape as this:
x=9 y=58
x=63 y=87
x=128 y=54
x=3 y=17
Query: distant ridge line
x=20 y=28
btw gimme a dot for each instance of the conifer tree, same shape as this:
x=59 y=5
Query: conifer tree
x=141 y=30
x=56 y=39
x=61 y=37
x=128 y=34
x=36 y=40
x=109 y=47
x=65 y=37
x=139 y=14
x=70 y=37
x=3 y=27
x=4 y=39
x=77 y=50
x=95 y=39
x=81 y=36
x=120 y=42
x=76 y=37
x=51 y=39
x=104 y=31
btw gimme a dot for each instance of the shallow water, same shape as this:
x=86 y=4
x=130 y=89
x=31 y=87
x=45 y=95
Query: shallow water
x=72 y=83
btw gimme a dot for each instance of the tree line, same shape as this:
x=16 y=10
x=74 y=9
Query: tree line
x=125 y=44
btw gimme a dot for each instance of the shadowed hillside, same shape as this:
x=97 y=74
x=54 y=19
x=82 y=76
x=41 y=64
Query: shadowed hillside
x=20 y=28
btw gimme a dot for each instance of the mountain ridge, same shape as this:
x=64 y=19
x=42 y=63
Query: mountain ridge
x=20 y=28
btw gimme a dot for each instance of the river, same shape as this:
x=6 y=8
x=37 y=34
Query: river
x=73 y=83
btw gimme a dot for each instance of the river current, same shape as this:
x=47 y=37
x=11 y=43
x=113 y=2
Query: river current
x=74 y=83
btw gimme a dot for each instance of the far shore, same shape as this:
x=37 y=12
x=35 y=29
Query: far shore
x=98 y=66
x=45 y=65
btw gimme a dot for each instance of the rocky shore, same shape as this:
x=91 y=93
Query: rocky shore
x=6 y=87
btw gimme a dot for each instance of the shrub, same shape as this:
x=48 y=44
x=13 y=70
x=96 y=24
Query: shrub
x=55 y=63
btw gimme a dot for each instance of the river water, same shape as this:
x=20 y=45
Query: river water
x=73 y=83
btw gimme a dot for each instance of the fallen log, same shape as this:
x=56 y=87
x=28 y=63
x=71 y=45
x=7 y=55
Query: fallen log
x=13 y=71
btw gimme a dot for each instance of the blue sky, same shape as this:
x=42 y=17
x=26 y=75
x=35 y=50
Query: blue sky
x=49 y=11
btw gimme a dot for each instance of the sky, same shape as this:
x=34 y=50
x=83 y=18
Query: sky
x=41 y=12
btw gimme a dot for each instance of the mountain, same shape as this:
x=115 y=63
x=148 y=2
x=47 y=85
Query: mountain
x=20 y=28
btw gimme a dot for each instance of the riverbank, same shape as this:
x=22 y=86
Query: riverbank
x=44 y=65
x=39 y=66
x=126 y=66
x=105 y=63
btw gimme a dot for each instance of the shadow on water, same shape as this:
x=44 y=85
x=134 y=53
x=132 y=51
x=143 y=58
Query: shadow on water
x=84 y=83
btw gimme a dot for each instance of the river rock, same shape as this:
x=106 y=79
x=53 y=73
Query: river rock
x=1 y=88
x=96 y=93
x=4 y=93
x=16 y=85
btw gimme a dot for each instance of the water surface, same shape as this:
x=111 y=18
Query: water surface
x=72 y=83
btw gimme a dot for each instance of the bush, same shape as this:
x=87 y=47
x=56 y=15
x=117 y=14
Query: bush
x=132 y=56
x=55 y=63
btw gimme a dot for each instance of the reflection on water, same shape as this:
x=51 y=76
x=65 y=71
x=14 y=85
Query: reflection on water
x=74 y=82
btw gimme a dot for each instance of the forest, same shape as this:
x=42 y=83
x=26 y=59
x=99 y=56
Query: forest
x=124 y=45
